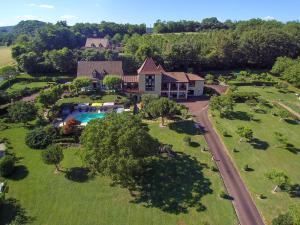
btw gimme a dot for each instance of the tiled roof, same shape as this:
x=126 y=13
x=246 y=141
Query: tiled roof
x=171 y=77
x=87 y=68
x=194 y=77
x=149 y=67
x=130 y=79
x=179 y=77
x=98 y=42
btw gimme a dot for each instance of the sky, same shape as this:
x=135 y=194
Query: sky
x=145 y=11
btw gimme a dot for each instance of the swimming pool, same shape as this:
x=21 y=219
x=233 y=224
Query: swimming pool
x=87 y=117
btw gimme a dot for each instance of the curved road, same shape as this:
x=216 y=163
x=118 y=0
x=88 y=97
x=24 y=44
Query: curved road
x=244 y=206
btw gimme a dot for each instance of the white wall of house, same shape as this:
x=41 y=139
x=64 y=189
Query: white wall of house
x=142 y=84
x=198 y=88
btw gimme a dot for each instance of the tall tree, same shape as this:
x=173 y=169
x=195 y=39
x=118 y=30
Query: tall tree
x=118 y=146
x=53 y=155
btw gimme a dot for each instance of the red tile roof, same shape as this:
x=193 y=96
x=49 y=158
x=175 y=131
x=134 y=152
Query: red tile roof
x=149 y=67
x=179 y=77
x=97 y=42
x=193 y=77
x=87 y=68
x=130 y=79
x=174 y=77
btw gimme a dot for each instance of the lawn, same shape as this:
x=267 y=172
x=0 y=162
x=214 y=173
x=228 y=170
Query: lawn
x=48 y=198
x=87 y=99
x=5 y=56
x=22 y=85
x=263 y=155
x=273 y=94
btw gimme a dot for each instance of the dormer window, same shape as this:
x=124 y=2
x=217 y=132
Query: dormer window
x=93 y=45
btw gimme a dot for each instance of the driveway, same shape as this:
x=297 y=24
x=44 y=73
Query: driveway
x=244 y=206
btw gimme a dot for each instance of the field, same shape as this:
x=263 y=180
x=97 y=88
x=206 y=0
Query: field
x=273 y=94
x=263 y=154
x=47 y=198
x=22 y=85
x=5 y=56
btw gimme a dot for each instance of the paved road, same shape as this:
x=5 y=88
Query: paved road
x=244 y=206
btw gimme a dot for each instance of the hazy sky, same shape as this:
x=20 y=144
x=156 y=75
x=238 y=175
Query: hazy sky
x=142 y=11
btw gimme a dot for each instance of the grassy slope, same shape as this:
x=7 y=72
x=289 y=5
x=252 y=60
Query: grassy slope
x=271 y=93
x=5 y=56
x=52 y=199
x=265 y=158
x=23 y=85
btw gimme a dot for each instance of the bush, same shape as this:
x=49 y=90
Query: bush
x=223 y=194
x=246 y=168
x=40 y=138
x=7 y=166
x=243 y=96
x=187 y=140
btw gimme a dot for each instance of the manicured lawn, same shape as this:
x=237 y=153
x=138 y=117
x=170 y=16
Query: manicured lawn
x=22 y=85
x=87 y=99
x=48 y=198
x=273 y=94
x=263 y=154
x=5 y=56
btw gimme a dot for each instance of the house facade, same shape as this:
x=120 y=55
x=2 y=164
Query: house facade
x=153 y=79
x=150 y=79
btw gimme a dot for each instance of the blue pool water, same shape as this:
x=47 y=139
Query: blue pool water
x=87 y=117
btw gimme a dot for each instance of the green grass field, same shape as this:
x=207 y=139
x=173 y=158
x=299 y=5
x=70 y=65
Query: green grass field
x=22 y=85
x=263 y=155
x=48 y=198
x=5 y=56
x=273 y=94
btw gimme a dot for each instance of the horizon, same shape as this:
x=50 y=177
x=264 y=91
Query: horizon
x=139 y=12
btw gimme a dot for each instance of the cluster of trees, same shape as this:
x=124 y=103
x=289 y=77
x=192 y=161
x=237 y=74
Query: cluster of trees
x=118 y=146
x=288 y=69
x=56 y=47
x=9 y=35
x=190 y=26
x=253 y=43
x=291 y=217
x=154 y=107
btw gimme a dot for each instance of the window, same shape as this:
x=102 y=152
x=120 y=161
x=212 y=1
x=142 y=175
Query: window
x=150 y=82
x=191 y=92
x=192 y=84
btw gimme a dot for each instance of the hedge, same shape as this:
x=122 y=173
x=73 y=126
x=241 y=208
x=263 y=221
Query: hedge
x=250 y=83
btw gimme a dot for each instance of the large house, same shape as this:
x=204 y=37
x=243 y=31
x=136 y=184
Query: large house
x=150 y=79
x=98 y=43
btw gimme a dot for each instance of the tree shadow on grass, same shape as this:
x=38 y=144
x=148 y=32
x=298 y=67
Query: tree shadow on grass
x=174 y=184
x=291 y=148
x=295 y=191
x=239 y=115
x=13 y=213
x=293 y=122
x=19 y=173
x=78 y=174
x=184 y=127
x=259 y=144
x=194 y=144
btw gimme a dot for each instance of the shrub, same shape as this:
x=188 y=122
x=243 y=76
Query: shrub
x=7 y=166
x=243 y=96
x=247 y=168
x=226 y=134
x=187 y=140
x=40 y=138
x=223 y=194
